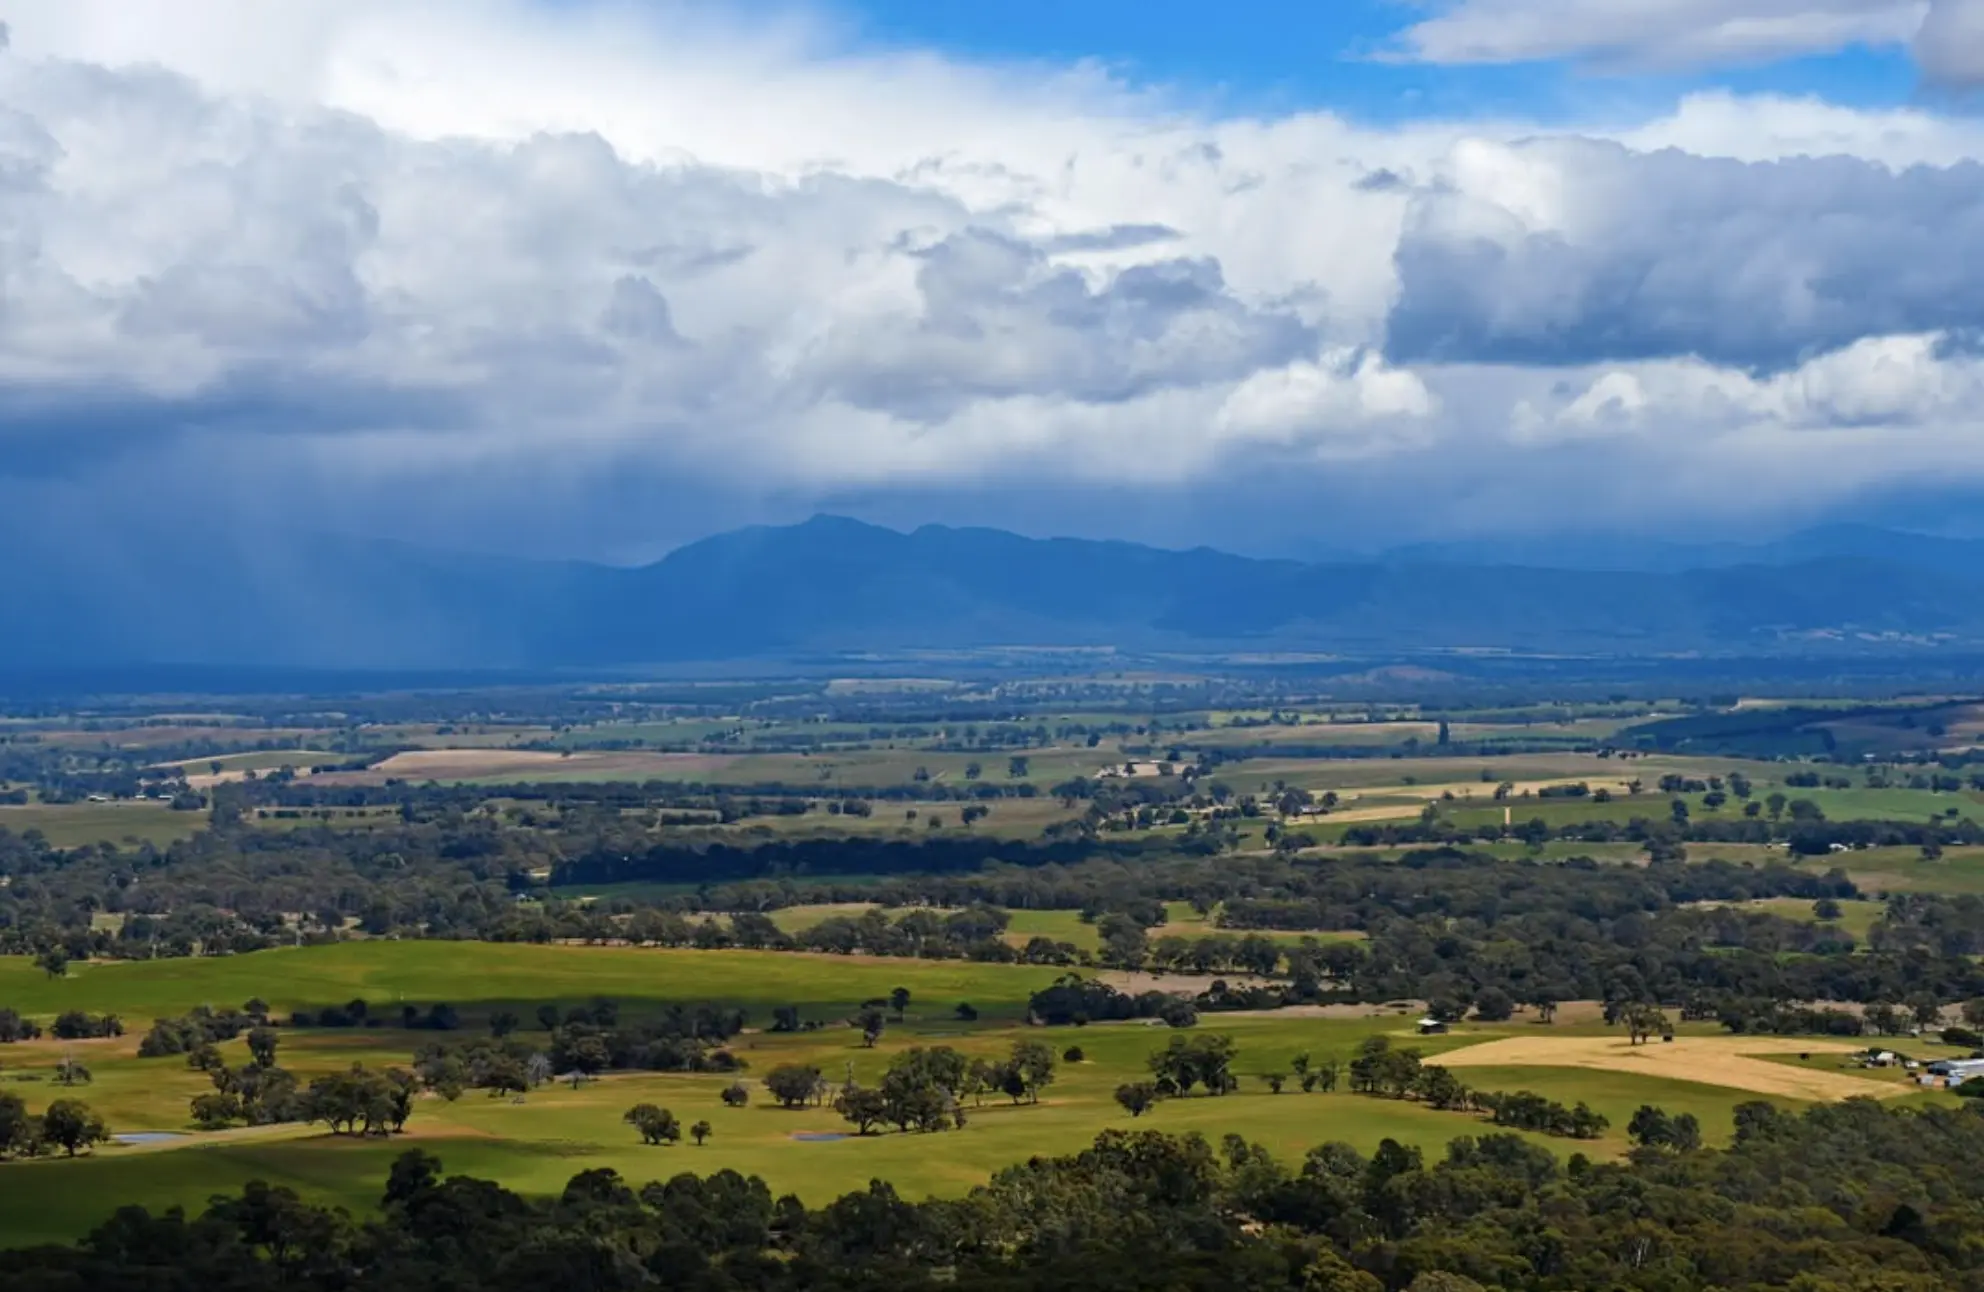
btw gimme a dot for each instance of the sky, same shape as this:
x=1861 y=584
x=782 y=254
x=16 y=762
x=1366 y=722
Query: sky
x=593 y=278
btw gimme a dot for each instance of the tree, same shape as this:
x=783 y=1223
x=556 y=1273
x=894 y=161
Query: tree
x=1137 y=1097
x=794 y=1085
x=656 y=1125
x=1644 y=1022
x=1199 y=1060
x=872 y=1023
x=536 y=1070
x=1651 y=1127
x=15 y=1028
x=1826 y=909
x=414 y=1174
x=69 y=1071
x=866 y=1107
x=1441 y=1088
x=54 y=962
x=701 y=1132
x=899 y=1001
x=215 y=1110
x=17 y=1129
x=503 y=1022
x=547 y=1017
x=736 y=1095
x=1033 y=1063
x=360 y=1102
x=1493 y=1005
x=72 y=1126
x=262 y=1043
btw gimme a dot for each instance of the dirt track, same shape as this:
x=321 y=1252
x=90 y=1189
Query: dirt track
x=1711 y=1060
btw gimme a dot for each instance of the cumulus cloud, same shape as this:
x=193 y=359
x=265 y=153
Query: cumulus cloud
x=1566 y=252
x=1950 y=46
x=490 y=264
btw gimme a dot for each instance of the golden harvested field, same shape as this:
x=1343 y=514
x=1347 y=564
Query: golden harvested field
x=1711 y=1060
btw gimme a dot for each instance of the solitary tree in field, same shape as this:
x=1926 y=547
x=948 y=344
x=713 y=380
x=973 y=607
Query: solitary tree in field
x=793 y=1085
x=656 y=1125
x=54 y=962
x=72 y=1126
x=871 y=1023
x=1644 y=1022
x=899 y=1001
x=701 y=1132
x=1137 y=1097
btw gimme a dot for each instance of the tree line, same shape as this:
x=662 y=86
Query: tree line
x=1840 y=1198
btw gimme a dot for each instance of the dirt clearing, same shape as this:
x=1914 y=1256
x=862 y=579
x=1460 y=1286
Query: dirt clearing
x=1711 y=1060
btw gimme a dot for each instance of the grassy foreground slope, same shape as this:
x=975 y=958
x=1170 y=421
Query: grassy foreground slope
x=535 y=1146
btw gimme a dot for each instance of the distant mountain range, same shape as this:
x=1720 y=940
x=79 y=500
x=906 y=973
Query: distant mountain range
x=1961 y=557
x=833 y=585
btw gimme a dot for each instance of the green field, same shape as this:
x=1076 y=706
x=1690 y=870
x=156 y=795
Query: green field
x=1855 y=918
x=478 y=977
x=1878 y=871
x=71 y=825
x=1062 y=926
x=535 y=1146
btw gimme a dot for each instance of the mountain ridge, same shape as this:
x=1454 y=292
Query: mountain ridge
x=836 y=585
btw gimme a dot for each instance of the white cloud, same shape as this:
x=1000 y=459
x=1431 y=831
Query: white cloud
x=1564 y=251
x=1658 y=33
x=1945 y=36
x=504 y=262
